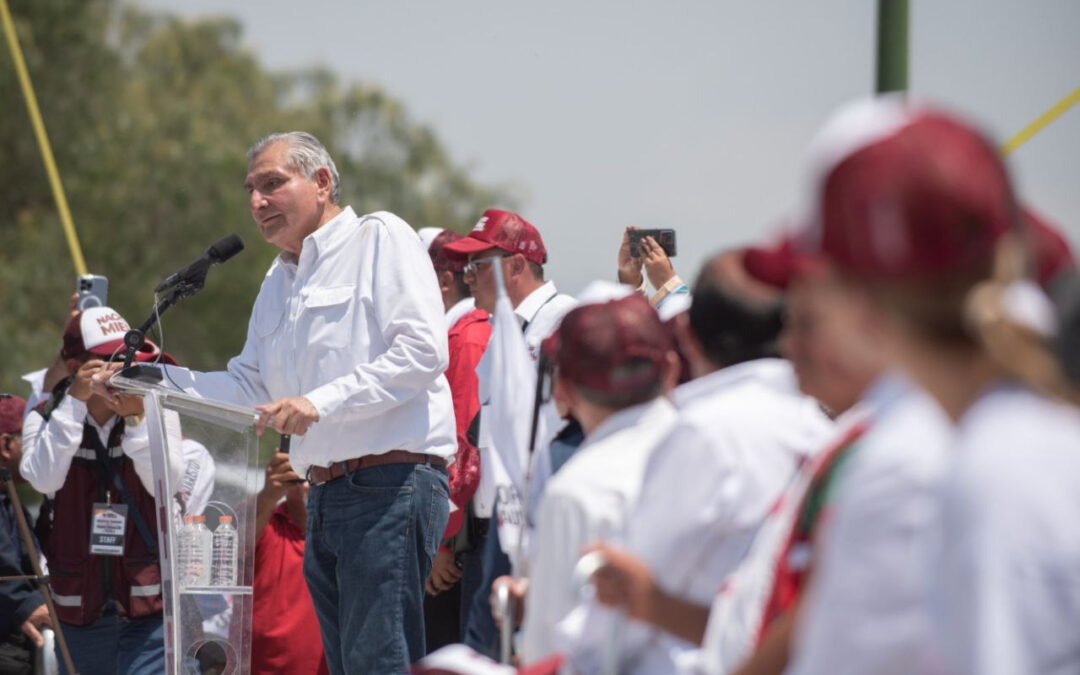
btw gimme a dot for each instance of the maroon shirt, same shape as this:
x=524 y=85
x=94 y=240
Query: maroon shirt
x=285 y=635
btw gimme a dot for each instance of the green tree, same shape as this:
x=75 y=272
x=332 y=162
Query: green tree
x=150 y=117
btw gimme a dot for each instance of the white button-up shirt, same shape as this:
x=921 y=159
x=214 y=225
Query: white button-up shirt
x=355 y=325
x=1007 y=580
x=589 y=499
x=865 y=609
x=741 y=435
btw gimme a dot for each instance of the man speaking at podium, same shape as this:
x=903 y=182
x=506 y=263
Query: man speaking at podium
x=346 y=349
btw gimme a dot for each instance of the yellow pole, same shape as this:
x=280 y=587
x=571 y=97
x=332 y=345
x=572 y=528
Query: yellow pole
x=43 y=140
x=1041 y=122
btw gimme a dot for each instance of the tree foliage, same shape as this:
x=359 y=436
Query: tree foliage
x=150 y=117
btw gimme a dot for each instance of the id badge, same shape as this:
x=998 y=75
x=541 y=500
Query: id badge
x=107 y=526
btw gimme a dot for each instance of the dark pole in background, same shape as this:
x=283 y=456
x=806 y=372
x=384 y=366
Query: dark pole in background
x=892 y=46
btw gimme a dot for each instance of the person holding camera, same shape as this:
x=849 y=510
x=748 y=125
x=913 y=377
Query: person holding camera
x=90 y=455
x=659 y=272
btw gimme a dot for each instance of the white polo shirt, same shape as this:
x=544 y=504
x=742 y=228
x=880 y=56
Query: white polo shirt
x=741 y=435
x=1007 y=591
x=865 y=611
x=589 y=499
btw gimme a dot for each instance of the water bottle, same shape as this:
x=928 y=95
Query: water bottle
x=225 y=545
x=203 y=550
x=187 y=559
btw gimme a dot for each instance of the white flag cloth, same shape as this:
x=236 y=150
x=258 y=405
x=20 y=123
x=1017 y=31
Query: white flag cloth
x=513 y=388
x=513 y=391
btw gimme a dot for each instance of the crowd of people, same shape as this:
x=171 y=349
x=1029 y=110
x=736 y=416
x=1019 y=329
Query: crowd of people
x=853 y=448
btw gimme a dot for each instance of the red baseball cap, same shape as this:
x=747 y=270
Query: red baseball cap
x=439 y=258
x=501 y=229
x=779 y=263
x=596 y=344
x=905 y=192
x=1050 y=253
x=100 y=331
x=12 y=408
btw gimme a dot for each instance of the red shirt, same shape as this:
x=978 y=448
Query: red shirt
x=467 y=339
x=285 y=635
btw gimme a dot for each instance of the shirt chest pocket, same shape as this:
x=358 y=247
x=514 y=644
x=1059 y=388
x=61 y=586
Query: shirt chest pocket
x=326 y=317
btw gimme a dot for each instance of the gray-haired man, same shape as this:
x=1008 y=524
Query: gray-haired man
x=346 y=348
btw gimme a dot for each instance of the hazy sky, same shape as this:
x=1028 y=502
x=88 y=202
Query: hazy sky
x=685 y=114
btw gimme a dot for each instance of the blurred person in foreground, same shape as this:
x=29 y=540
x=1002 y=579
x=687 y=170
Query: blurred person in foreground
x=89 y=454
x=917 y=216
x=504 y=238
x=345 y=351
x=614 y=364
x=284 y=629
x=742 y=433
x=23 y=613
x=468 y=334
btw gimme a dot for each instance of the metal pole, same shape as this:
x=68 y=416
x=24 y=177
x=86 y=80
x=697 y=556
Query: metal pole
x=892 y=46
x=31 y=551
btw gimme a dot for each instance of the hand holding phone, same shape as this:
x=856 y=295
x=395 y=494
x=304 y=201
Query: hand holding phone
x=93 y=291
x=664 y=237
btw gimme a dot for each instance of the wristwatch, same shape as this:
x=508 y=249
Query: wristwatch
x=134 y=420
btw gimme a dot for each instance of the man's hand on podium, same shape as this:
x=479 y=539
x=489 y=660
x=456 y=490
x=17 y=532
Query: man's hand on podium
x=292 y=415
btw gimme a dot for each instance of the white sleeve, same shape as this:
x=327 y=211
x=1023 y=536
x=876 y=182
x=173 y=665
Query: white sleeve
x=412 y=322
x=49 y=446
x=560 y=535
x=136 y=445
x=240 y=383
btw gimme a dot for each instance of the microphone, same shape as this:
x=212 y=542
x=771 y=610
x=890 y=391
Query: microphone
x=219 y=252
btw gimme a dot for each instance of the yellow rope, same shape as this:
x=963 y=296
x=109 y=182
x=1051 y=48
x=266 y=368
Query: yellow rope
x=1044 y=119
x=43 y=140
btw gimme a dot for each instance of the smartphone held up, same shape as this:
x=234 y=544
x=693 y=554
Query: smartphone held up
x=664 y=237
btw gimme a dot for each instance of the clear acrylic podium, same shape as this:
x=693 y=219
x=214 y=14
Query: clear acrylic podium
x=207 y=627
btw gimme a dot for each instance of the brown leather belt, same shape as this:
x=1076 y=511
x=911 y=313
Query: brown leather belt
x=317 y=475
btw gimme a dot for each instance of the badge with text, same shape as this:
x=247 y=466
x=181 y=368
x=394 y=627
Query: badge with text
x=107 y=527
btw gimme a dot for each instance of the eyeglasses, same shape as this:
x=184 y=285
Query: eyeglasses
x=474 y=265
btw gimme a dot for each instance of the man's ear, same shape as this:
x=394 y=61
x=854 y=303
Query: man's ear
x=323 y=182
x=446 y=280
x=5 y=448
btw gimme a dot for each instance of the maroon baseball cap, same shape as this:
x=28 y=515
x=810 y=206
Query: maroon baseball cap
x=784 y=260
x=11 y=413
x=1050 y=253
x=610 y=346
x=439 y=258
x=904 y=192
x=501 y=229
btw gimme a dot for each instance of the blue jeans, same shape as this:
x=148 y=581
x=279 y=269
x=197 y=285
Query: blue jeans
x=480 y=631
x=371 y=537
x=116 y=645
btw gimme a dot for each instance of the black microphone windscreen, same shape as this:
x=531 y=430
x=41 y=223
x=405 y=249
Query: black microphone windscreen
x=222 y=250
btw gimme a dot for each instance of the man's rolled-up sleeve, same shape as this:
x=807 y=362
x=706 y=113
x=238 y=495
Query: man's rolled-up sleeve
x=410 y=317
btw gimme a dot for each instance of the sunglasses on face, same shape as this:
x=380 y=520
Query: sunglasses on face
x=473 y=266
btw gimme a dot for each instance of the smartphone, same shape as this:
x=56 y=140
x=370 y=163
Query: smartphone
x=664 y=237
x=93 y=291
